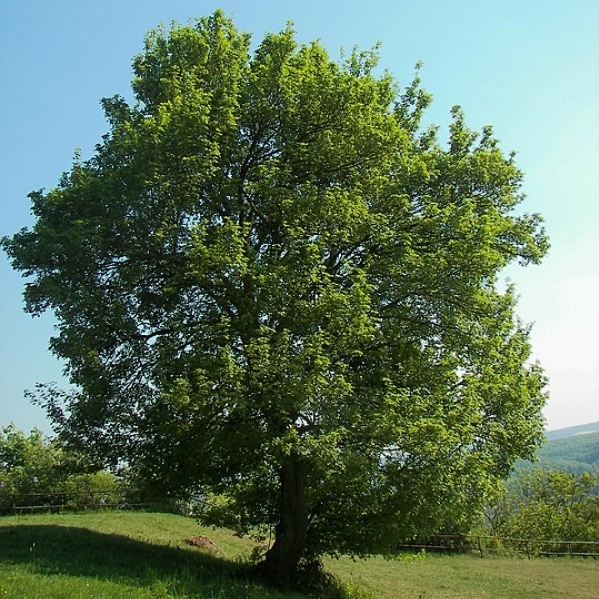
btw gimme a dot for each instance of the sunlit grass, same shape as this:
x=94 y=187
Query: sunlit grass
x=470 y=577
x=144 y=555
x=120 y=554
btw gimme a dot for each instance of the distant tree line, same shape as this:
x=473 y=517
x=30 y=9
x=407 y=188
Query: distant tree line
x=546 y=504
x=538 y=503
x=38 y=473
x=35 y=471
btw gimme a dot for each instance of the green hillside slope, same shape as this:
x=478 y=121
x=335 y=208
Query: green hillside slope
x=574 y=449
x=579 y=453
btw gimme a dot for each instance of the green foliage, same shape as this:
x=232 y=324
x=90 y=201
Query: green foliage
x=547 y=505
x=272 y=286
x=28 y=464
x=35 y=471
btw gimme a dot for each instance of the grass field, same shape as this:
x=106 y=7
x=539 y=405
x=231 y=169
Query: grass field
x=117 y=555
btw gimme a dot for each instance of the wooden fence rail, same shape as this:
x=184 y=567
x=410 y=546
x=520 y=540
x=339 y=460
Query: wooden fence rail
x=64 y=501
x=482 y=545
x=489 y=545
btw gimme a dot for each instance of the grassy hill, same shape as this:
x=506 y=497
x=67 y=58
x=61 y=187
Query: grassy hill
x=144 y=555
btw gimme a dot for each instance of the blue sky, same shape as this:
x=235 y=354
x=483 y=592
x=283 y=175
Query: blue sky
x=530 y=68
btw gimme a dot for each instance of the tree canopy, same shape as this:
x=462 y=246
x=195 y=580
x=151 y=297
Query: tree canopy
x=274 y=286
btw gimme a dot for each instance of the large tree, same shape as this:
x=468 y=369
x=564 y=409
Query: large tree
x=274 y=286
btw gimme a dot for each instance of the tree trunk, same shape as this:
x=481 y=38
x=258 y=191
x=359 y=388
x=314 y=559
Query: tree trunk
x=291 y=532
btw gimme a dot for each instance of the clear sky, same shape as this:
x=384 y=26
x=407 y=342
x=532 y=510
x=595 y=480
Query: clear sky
x=530 y=68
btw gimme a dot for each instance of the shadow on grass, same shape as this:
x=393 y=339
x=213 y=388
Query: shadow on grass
x=52 y=550
x=73 y=551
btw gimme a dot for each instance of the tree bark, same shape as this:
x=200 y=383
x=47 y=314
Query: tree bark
x=282 y=559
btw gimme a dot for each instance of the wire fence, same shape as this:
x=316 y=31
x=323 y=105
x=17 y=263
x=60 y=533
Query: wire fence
x=486 y=545
x=64 y=501
x=118 y=499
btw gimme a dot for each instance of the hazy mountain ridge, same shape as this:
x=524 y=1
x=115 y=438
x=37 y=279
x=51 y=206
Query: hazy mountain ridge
x=563 y=433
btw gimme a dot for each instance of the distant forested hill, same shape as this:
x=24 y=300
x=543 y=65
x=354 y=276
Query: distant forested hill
x=571 y=431
x=579 y=453
x=575 y=449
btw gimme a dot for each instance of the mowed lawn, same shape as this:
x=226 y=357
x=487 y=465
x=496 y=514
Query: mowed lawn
x=470 y=577
x=144 y=555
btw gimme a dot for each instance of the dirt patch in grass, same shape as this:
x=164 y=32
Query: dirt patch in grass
x=203 y=543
